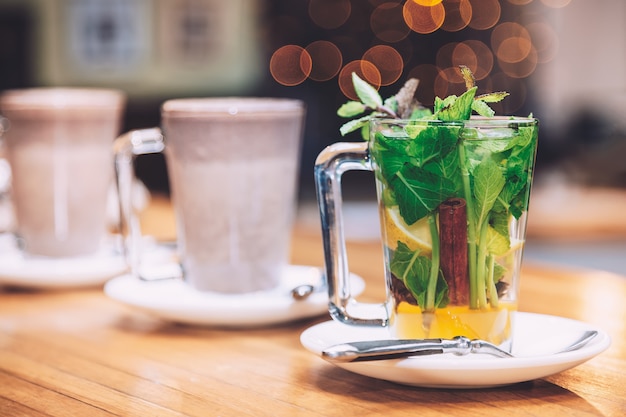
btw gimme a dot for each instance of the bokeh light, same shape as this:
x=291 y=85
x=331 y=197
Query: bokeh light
x=510 y=42
x=423 y=19
x=485 y=14
x=521 y=69
x=326 y=60
x=443 y=59
x=545 y=41
x=449 y=81
x=388 y=61
x=329 y=14
x=387 y=22
x=506 y=42
x=475 y=55
x=290 y=65
x=364 y=69
x=458 y=15
x=426 y=3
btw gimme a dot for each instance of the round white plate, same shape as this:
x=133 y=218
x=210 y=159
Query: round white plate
x=536 y=339
x=174 y=300
x=22 y=271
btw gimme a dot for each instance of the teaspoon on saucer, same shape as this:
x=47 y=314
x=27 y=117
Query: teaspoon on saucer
x=399 y=348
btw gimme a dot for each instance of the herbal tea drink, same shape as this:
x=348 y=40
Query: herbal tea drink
x=453 y=193
x=453 y=205
x=453 y=199
x=59 y=146
x=233 y=169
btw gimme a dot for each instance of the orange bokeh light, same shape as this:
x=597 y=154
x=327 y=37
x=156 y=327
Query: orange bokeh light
x=427 y=3
x=485 y=14
x=326 y=60
x=545 y=41
x=364 y=69
x=388 y=24
x=423 y=19
x=510 y=42
x=458 y=15
x=521 y=69
x=290 y=65
x=475 y=55
x=388 y=61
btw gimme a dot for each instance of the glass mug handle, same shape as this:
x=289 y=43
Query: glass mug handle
x=330 y=165
x=125 y=148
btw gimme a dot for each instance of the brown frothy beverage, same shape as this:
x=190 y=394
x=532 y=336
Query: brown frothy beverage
x=233 y=167
x=59 y=147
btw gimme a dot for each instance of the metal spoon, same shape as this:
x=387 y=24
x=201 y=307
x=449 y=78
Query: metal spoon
x=302 y=292
x=390 y=349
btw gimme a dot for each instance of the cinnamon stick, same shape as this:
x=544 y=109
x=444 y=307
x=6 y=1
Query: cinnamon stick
x=453 y=249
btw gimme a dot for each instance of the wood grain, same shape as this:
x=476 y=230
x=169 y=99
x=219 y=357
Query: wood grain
x=78 y=353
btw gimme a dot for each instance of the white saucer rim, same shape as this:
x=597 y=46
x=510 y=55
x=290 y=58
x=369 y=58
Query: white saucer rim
x=276 y=309
x=477 y=364
x=71 y=272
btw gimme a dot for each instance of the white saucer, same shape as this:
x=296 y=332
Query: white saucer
x=536 y=338
x=22 y=271
x=174 y=300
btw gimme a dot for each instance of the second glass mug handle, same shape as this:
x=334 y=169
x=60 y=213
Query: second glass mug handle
x=125 y=148
x=330 y=165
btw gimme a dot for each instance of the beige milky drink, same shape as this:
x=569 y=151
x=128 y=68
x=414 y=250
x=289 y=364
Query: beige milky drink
x=59 y=146
x=233 y=166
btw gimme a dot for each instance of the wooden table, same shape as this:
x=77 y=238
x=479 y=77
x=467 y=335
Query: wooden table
x=78 y=353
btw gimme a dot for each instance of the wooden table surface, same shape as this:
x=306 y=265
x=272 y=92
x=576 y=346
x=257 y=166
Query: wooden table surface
x=78 y=353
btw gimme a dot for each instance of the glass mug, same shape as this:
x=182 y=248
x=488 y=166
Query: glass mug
x=453 y=200
x=58 y=145
x=233 y=169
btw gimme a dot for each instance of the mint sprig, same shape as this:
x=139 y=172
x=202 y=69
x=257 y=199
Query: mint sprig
x=434 y=163
x=404 y=105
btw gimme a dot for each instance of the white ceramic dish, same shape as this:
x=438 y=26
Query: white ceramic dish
x=536 y=339
x=174 y=300
x=22 y=271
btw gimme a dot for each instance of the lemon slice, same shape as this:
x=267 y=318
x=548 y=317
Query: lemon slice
x=415 y=236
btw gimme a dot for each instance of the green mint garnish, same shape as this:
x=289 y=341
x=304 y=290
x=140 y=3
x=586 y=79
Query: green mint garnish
x=424 y=165
x=403 y=105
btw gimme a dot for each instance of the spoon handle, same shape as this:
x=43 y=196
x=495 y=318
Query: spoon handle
x=390 y=349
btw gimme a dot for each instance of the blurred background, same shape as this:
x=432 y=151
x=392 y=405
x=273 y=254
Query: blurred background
x=564 y=61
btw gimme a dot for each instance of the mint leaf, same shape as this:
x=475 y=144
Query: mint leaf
x=432 y=143
x=488 y=182
x=492 y=97
x=419 y=192
x=366 y=93
x=460 y=109
x=414 y=271
x=351 y=109
x=390 y=154
x=482 y=108
x=497 y=243
x=353 y=125
x=468 y=77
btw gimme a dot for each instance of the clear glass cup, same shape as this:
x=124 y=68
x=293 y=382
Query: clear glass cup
x=233 y=166
x=453 y=200
x=58 y=142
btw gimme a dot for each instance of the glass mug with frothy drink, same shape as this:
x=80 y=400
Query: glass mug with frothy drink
x=233 y=169
x=59 y=146
x=453 y=200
